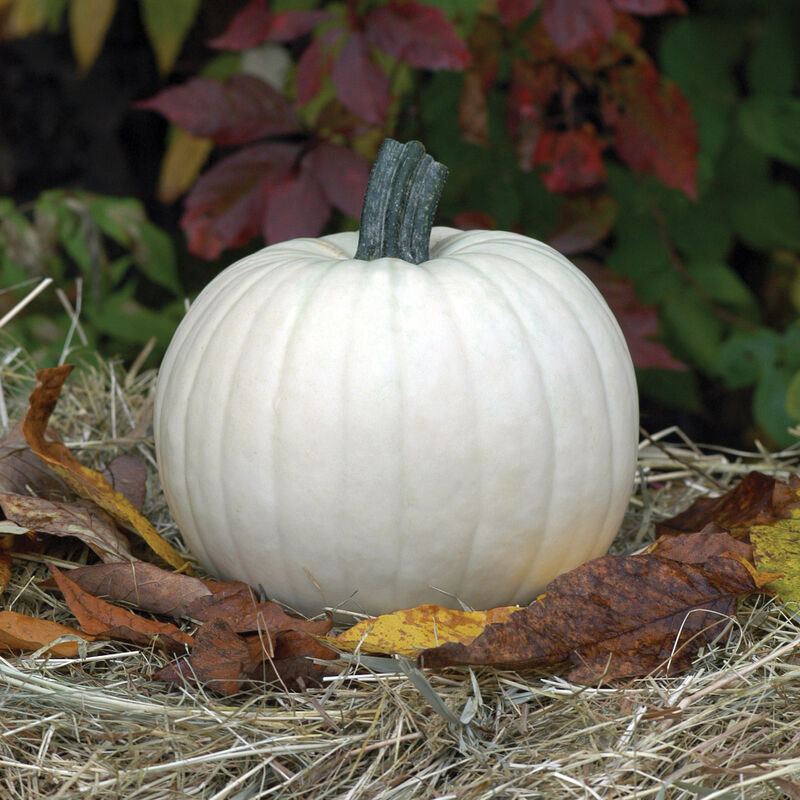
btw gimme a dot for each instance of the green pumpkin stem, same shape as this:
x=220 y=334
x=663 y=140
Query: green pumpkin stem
x=400 y=203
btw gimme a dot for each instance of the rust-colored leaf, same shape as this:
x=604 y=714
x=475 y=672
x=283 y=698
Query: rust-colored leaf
x=23 y=472
x=758 y=499
x=82 y=519
x=412 y=630
x=613 y=617
x=5 y=570
x=220 y=660
x=101 y=619
x=127 y=475
x=86 y=482
x=697 y=548
x=292 y=664
x=19 y=632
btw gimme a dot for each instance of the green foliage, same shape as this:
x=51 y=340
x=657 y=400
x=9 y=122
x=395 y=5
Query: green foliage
x=110 y=262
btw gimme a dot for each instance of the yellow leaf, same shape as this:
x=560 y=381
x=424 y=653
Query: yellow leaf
x=24 y=18
x=88 y=24
x=182 y=163
x=776 y=548
x=86 y=482
x=167 y=22
x=411 y=630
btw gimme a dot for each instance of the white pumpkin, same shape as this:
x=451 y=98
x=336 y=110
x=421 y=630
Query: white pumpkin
x=380 y=434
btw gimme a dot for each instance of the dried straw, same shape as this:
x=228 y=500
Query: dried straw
x=96 y=726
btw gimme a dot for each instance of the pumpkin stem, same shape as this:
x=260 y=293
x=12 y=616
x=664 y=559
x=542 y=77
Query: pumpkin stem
x=400 y=203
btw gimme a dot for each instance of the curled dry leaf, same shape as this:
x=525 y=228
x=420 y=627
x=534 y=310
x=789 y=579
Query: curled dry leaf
x=21 y=632
x=86 y=482
x=103 y=620
x=697 y=548
x=5 y=570
x=412 y=630
x=613 y=617
x=81 y=519
x=757 y=499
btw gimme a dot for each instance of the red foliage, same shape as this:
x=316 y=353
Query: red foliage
x=237 y=111
x=417 y=35
x=574 y=158
x=654 y=131
x=361 y=85
x=255 y=24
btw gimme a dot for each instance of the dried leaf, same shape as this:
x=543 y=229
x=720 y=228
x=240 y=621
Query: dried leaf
x=150 y=588
x=412 y=630
x=697 y=548
x=292 y=663
x=23 y=472
x=220 y=660
x=21 y=632
x=758 y=499
x=5 y=570
x=776 y=547
x=82 y=519
x=235 y=111
x=613 y=617
x=103 y=620
x=86 y=482
x=127 y=475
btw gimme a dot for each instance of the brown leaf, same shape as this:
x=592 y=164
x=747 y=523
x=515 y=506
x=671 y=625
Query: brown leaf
x=86 y=482
x=127 y=475
x=697 y=548
x=613 y=617
x=758 y=499
x=292 y=664
x=21 y=632
x=23 y=472
x=5 y=570
x=220 y=660
x=159 y=591
x=82 y=519
x=106 y=621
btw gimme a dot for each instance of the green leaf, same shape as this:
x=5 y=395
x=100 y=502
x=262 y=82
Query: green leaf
x=722 y=284
x=793 y=396
x=89 y=21
x=744 y=355
x=769 y=405
x=692 y=330
x=118 y=218
x=167 y=23
x=676 y=389
x=699 y=230
x=125 y=319
x=768 y=217
x=772 y=67
x=155 y=257
x=772 y=123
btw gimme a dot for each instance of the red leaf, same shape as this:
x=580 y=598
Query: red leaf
x=255 y=24
x=239 y=110
x=417 y=35
x=515 y=10
x=577 y=22
x=361 y=85
x=639 y=323
x=313 y=66
x=647 y=7
x=575 y=159
x=343 y=176
x=225 y=208
x=295 y=207
x=655 y=132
